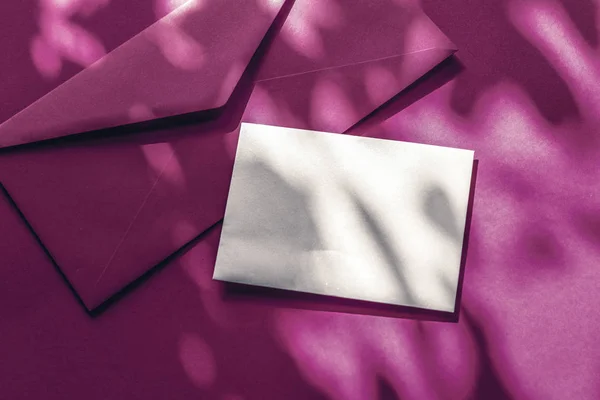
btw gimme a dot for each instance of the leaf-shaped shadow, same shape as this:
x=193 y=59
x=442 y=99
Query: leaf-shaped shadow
x=385 y=391
x=489 y=383
x=387 y=249
x=437 y=207
x=276 y=225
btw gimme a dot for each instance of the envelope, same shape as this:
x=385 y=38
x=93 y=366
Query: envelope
x=346 y=216
x=108 y=209
x=188 y=61
x=109 y=206
x=334 y=62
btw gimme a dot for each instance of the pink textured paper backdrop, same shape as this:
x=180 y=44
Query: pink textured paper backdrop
x=526 y=99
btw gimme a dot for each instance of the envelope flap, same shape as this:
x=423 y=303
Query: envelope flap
x=336 y=99
x=326 y=34
x=188 y=61
x=346 y=216
x=47 y=42
x=108 y=211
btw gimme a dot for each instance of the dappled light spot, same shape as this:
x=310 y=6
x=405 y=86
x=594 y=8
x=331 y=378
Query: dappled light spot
x=183 y=231
x=515 y=130
x=197 y=360
x=421 y=122
x=378 y=81
x=230 y=80
x=263 y=108
x=164 y=7
x=270 y=6
x=330 y=106
x=326 y=356
x=61 y=4
x=157 y=156
x=74 y=7
x=65 y=7
x=140 y=112
x=173 y=173
x=304 y=38
x=302 y=30
x=45 y=58
x=419 y=34
x=178 y=48
x=72 y=41
x=327 y=14
x=548 y=28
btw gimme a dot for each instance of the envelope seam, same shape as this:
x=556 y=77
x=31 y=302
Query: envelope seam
x=357 y=63
x=135 y=217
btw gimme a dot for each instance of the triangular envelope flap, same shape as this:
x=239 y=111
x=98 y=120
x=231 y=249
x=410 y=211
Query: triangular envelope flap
x=335 y=99
x=45 y=43
x=188 y=61
x=323 y=34
x=109 y=210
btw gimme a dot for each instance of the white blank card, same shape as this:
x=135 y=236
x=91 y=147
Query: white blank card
x=339 y=215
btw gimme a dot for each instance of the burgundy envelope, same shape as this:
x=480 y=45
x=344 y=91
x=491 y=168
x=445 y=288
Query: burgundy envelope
x=190 y=60
x=110 y=207
x=334 y=63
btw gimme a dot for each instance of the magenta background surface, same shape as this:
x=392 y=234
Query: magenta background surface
x=523 y=94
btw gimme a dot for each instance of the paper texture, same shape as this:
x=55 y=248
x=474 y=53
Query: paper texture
x=347 y=216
